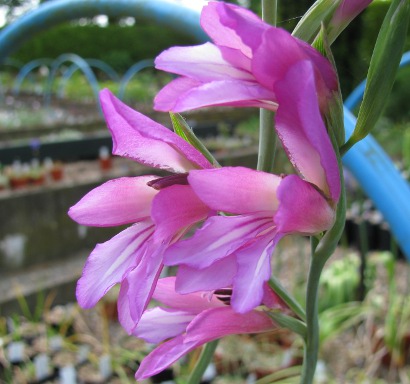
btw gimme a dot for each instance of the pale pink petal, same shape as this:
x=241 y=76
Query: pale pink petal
x=279 y=50
x=254 y=269
x=201 y=62
x=164 y=356
x=116 y=202
x=302 y=131
x=218 y=322
x=236 y=189
x=231 y=26
x=209 y=325
x=138 y=285
x=176 y=208
x=236 y=93
x=219 y=237
x=302 y=209
x=218 y=275
x=193 y=302
x=137 y=137
x=109 y=261
x=159 y=324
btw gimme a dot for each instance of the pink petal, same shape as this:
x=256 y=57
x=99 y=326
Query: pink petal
x=218 y=322
x=219 y=237
x=109 y=261
x=254 y=269
x=236 y=189
x=159 y=324
x=186 y=94
x=272 y=300
x=163 y=356
x=302 y=208
x=116 y=202
x=284 y=50
x=138 y=285
x=231 y=26
x=176 y=208
x=218 y=275
x=346 y=12
x=137 y=137
x=301 y=129
x=165 y=293
x=207 y=326
x=202 y=62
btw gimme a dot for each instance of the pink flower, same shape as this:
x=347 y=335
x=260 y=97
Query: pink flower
x=189 y=321
x=235 y=249
x=160 y=208
x=241 y=68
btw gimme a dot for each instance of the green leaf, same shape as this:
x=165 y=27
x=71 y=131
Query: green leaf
x=182 y=129
x=382 y=70
x=289 y=322
x=309 y=25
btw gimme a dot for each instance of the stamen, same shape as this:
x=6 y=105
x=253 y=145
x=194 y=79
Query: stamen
x=167 y=181
x=224 y=295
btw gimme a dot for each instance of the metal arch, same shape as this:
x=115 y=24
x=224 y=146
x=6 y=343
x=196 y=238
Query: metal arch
x=93 y=63
x=81 y=64
x=131 y=72
x=26 y=70
x=182 y=15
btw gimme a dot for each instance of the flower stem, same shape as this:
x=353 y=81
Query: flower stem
x=267 y=135
x=203 y=362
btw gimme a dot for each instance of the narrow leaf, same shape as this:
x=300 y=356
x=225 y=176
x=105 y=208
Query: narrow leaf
x=309 y=25
x=382 y=70
x=182 y=129
x=289 y=322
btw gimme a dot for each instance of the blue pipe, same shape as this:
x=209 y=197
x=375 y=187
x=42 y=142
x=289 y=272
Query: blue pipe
x=181 y=16
x=133 y=70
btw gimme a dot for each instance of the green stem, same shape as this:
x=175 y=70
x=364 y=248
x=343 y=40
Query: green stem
x=267 y=135
x=203 y=362
x=312 y=320
x=287 y=298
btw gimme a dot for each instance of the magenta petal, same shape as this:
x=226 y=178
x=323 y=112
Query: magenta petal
x=218 y=275
x=137 y=137
x=254 y=269
x=193 y=302
x=202 y=62
x=138 y=285
x=236 y=189
x=190 y=94
x=159 y=324
x=301 y=129
x=219 y=237
x=109 y=261
x=218 y=322
x=302 y=209
x=231 y=26
x=164 y=356
x=116 y=202
x=176 y=208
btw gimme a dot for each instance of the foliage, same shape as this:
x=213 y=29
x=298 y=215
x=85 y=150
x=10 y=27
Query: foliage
x=123 y=45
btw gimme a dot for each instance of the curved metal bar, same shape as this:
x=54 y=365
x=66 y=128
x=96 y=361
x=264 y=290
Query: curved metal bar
x=356 y=96
x=178 y=15
x=107 y=69
x=133 y=70
x=81 y=64
x=382 y=182
x=25 y=71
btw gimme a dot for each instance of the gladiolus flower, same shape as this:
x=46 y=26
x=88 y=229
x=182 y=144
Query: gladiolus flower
x=242 y=66
x=189 y=321
x=235 y=249
x=160 y=209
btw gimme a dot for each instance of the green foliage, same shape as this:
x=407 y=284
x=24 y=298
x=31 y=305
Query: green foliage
x=119 y=46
